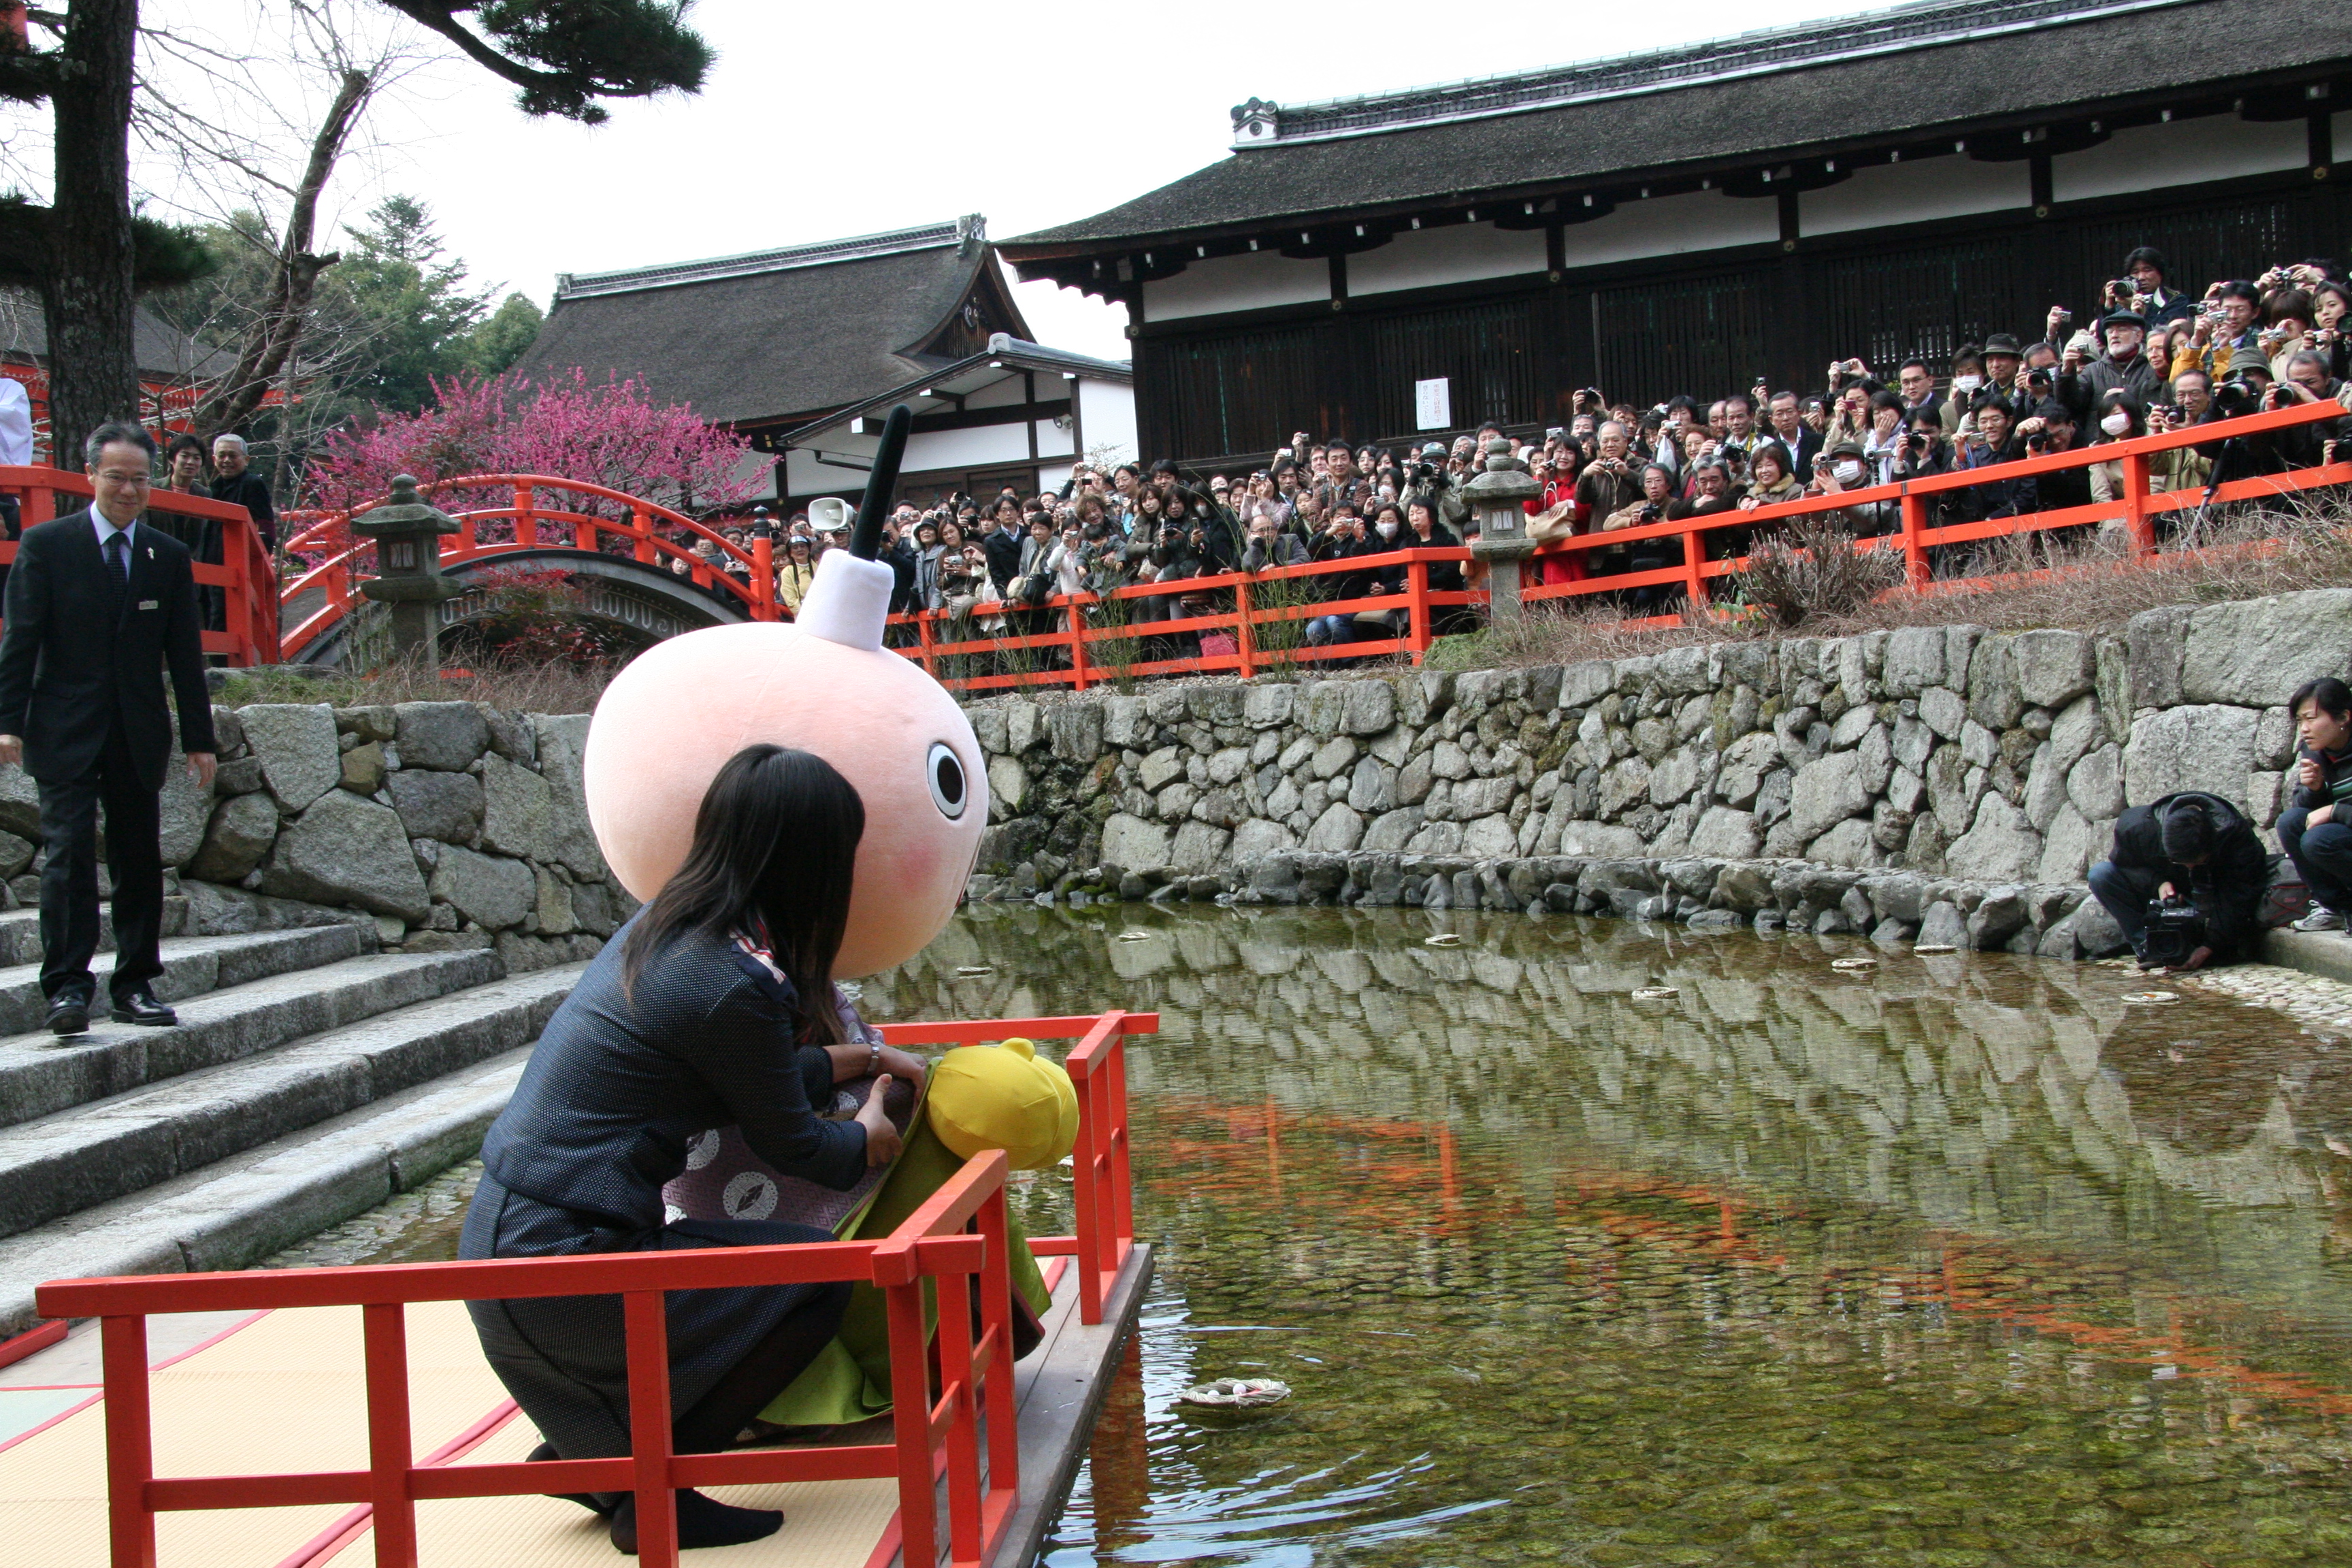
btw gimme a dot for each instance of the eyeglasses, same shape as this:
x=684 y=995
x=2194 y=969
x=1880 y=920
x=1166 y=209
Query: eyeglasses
x=126 y=481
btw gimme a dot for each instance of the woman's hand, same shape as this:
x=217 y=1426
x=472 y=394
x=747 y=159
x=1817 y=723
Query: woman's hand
x=2326 y=814
x=2308 y=773
x=882 y=1140
x=904 y=1066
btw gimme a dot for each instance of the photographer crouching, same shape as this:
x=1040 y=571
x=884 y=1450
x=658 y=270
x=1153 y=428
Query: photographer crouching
x=2186 y=880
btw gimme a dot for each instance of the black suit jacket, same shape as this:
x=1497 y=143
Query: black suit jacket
x=75 y=654
x=1801 y=455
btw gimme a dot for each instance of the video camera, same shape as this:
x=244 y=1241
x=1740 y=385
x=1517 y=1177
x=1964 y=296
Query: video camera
x=2233 y=397
x=2176 y=929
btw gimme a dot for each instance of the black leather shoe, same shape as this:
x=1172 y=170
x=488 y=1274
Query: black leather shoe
x=140 y=1006
x=68 y=1014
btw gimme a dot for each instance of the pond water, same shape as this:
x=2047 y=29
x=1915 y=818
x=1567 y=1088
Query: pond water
x=1958 y=1260
x=1962 y=1259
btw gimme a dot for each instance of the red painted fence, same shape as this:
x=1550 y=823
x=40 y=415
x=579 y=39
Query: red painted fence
x=960 y=1234
x=248 y=581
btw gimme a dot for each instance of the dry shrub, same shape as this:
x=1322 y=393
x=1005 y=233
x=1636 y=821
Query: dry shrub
x=513 y=688
x=1814 y=570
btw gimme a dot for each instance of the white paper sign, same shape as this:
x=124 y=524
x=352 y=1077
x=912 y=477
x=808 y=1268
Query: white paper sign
x=1433 y=403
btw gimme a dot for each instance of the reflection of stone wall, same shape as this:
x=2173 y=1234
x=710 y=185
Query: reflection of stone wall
x=451 y=824
x=1985 y=1095
x=1931 y=764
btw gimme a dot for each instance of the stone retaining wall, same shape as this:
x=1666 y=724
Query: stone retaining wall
x=448 y=825
x=1933 y=764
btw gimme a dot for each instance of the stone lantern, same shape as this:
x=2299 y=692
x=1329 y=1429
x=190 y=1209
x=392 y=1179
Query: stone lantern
x=1497 y=497
x=407 y=533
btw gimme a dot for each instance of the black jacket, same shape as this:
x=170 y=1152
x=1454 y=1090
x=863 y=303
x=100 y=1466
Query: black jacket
x=2228 y=888
x=618 y=1085
x=77 y=656
x=250 y=492
x=1003 y=552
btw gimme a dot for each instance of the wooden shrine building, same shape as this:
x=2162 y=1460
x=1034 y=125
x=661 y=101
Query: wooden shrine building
x=1899 y=182
x=793 y=347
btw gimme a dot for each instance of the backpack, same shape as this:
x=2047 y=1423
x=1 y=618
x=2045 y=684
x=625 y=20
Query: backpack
x=2286 y=900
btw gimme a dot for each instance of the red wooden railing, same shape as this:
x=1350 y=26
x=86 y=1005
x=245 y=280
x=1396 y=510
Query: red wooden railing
x=1071 y=641
x=345 y=561
x=959 y=1233
x=247 y=580
x=1105 y=1186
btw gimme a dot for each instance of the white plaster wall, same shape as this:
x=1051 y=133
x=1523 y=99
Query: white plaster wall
x=1106 y=418
x=980 y=445
x=1053 y=441
x=804 y=476
x=1254 y=280
x=1672 y=226
x=1883 y=193
x=1054 y=476
x=2183 y=153
x=996 y=395
x=1463 y=253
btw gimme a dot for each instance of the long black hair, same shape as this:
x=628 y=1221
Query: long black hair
x=775 y=852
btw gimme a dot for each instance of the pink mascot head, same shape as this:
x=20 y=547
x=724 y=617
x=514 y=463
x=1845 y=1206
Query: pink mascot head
x=826 y=685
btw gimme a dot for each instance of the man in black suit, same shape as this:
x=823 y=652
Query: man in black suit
x=1799 y=440
x=97 y=604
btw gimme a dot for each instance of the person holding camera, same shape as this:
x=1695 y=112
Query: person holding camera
x=1995 y=443
x=1608 y=486
x=2047 y=431
x=2184 y=880
x=2143 y=291
x=2121 y=366
x=2225 y=324
x=2315 y=830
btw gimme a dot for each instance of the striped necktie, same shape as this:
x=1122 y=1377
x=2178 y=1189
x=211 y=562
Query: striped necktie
x=118 y=561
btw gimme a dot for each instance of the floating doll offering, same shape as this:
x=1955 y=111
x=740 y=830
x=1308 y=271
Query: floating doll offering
x=822 y=684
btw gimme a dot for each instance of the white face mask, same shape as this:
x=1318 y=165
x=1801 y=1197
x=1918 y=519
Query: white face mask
x=1388 y=530
x=1966 y=382
x=1848 y=471
x=2117 y=423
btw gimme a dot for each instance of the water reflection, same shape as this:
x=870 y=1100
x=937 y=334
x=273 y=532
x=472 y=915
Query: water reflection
x=1961 y=1259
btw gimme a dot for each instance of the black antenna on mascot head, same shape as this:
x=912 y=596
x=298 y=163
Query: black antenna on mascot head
x=866 y=541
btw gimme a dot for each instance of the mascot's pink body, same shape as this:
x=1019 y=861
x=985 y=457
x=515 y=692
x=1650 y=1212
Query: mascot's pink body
x=824 y=685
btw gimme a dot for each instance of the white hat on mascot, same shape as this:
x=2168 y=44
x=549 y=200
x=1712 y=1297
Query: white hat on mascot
x=823 y=684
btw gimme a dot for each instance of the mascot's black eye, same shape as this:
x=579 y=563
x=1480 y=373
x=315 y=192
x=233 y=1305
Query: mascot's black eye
x=946 y=776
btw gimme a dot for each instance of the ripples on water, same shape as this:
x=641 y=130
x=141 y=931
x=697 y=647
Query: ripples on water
x=1960 y=1261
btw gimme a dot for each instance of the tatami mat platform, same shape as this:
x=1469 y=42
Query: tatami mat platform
x=283 y=1392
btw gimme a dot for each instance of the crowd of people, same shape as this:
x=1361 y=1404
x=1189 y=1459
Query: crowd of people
x=2151 y=359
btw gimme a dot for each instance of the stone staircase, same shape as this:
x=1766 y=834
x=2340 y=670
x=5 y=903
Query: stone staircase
x=311 y=1076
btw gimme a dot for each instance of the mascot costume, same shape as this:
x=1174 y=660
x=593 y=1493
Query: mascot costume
x=826 y=684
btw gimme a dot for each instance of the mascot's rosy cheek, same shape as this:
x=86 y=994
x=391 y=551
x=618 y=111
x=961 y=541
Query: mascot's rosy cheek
x=825 y=685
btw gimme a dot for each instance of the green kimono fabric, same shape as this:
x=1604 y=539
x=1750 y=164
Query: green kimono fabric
x=850 y=1379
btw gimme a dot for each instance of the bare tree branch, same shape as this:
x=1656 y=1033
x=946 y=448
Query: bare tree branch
x=270 y=343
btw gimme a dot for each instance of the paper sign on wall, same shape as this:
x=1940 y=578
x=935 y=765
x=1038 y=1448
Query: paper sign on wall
x=1433 y=403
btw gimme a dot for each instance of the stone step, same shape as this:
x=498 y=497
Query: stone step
x=240 y=1210
x=41 y=1074
x=93 y=1154
x=193 y=966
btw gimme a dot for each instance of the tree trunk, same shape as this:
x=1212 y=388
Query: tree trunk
x=88 y=298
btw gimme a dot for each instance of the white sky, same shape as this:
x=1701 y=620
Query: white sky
x=819 y=121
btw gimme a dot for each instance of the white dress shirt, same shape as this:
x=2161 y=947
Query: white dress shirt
x=16 y=424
